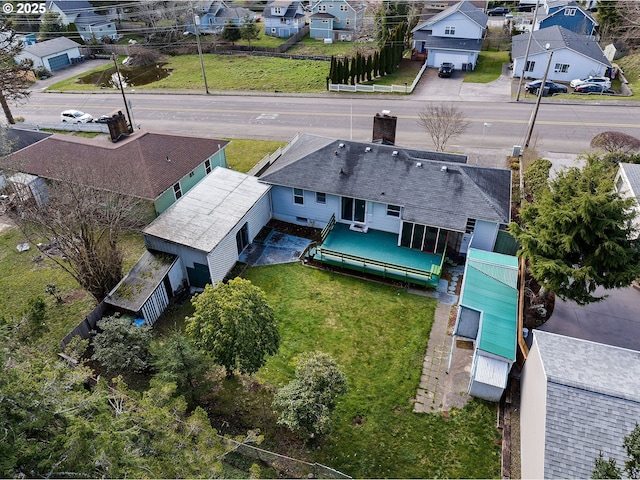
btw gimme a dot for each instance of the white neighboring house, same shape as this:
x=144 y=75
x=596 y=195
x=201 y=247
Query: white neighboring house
x=88 y=23
x=453 y=35
x=574 y=55
x=628 y=185
x=211 y=225
x=51 y=54
x=578 y=398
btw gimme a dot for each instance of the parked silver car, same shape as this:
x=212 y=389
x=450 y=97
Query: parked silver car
x=604 y=81
x=75 y=116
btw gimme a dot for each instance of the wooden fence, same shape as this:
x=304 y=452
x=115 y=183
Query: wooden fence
x=86 y=326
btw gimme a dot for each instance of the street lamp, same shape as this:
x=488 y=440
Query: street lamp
x=484 y=127
x=196 y=20
x=534 y=113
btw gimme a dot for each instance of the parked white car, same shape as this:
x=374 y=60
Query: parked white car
x=75 y=116
x=604 y=81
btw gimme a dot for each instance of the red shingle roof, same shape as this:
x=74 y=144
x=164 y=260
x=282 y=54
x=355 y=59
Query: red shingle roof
x=144 y=165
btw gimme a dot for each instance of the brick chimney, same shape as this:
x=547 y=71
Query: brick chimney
x=118 y=127
x=384 y=128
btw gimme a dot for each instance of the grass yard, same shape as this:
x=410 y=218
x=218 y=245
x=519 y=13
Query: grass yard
x=242 y=154
x=21 y=278
x=406 y=74
x=314 y=46
x=378 y=334
x=489 y=67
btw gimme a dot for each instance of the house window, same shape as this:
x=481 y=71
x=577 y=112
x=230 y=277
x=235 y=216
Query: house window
x=325 y=21
x=450 y=30
x=619 y=185
x=322 y=8
x=347 y=21
x=343 y=8
x=207 y=166
x=277 y=10
x=471 y=225
x=422 y=237
x=393 y=211
x=177 y=191
x=298 y=196
x=530 y=66
x=570 y=12
x=353 y=209
x=321 y=197
x=191 y=174
x=561 y=67
x=283 y=20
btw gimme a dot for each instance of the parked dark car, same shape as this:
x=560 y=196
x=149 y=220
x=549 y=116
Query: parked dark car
x=446 y=69
x=551 y=88
x=495 y=12
x=593 y=88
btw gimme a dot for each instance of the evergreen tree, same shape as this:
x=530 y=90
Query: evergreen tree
x=249 y=29
x=231 y=32
x=51 y=25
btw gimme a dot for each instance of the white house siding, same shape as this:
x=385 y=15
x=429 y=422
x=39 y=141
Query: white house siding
x=222 y=258
x=533 y=407
x=44 y=61
x=176 y=276
x=484 y=235
x=464 y=28
x=579 y=66
x=437 y=57
x=155 y=305
x=188 y=256
x=378 y=219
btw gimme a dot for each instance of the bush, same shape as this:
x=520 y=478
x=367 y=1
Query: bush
x=121 y=345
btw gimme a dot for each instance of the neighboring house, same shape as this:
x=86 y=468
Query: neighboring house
x=574 y=56
x=453 y=35
x=51 y=54
x=397 y=212
x=211 y=225
x=578 y=398
x=19 y=139
x=156 y=167
x=283 y=18
x=89 y=24
x=212 y=16
x=628 y=185
x=487 y=315
x=337 y=20
x=566 y=14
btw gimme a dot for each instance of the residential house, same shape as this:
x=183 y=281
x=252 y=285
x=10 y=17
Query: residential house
x=283 y=18
x=19 y=139
x=390 y=211
x=211 y=225
x=487 y=315
x=212 y=16
x=628 y=185
x=156 y=167
x=337 y=20
x=51 y=54
x=454 y=35
x=90 y=25
x=574 y=55
x=578 y=398
x=566 y=14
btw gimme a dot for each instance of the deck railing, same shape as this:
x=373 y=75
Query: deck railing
x=327 y=228
x=386 y=270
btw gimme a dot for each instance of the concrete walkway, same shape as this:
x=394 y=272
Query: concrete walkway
x=440 y=390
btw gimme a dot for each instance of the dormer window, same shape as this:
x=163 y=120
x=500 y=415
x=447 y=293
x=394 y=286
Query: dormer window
x=277 y=10
x=322 y=9
x=451 y=30
x=570 y=12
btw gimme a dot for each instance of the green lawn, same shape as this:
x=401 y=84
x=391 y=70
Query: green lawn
x=489 y=67
x=242 y=154
x=314 y=46
x=379 y=335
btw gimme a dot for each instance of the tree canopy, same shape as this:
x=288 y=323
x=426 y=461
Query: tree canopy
x=442 y=123
x=306 y=403
x=249 y=29
x=14 y=77
x=122 y=345
x=235 y=325
x=578 y=235
x=609 y=468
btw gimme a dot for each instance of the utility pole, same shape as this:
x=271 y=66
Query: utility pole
x=526 y=53
x=197 y=31
x=534 y=113
x=120 y=82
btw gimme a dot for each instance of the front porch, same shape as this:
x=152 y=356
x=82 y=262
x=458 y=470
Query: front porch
x=377 y=253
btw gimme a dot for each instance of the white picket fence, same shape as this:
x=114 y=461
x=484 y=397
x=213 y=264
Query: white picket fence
x=69 y=127
x=341 y=87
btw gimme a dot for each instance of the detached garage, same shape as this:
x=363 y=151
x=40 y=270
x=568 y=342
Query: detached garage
x=51 y=54
x=212 y=224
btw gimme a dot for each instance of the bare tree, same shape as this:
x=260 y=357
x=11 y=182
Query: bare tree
x=616 y=142
x=442 y=123
x=14 y=78
x=79 y=226
x=141 y=57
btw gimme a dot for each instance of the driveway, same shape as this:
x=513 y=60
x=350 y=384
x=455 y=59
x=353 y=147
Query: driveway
x=614 y=321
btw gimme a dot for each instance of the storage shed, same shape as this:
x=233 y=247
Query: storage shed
x=212 y=224
x=487 y=315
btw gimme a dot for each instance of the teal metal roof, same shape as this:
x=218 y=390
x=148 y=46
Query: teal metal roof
x=490 y=286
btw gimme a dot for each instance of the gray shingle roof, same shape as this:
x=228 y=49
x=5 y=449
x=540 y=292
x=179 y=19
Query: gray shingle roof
x=50 y=47
x=465 y=7
x=20 y=139
x=445 y=43
x=593 y=401
x=632 y=171
x=291 y=7
x=558 y=38
x=83 y=9
x=429 y=195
